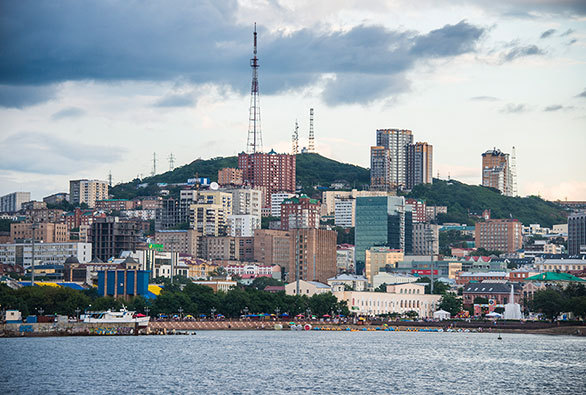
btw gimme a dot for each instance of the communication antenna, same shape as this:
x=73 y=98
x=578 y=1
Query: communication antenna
x=154 y=164
x=514 y=172
x=311 y=146
x=171 y=162
x=110 y=179
x=254 y=142
x=295 y=140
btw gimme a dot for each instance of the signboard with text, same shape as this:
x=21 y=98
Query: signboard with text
x=158 y=247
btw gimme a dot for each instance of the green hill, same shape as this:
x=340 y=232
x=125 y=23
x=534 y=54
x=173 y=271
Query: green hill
x=462 y=199
x=312 y=169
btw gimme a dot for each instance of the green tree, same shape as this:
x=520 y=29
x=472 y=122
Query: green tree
x=549 y=301
x=261 y=283
x=450 y=303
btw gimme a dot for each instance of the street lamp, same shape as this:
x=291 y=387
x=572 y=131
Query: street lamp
x=245 y=312
x=146 y=310
x=77 y=310
x=277 y=311
x=180 y=310
x=308 y=312
x=213 y=311
x=41 y=311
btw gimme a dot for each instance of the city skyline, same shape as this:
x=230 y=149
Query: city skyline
x=465 y=78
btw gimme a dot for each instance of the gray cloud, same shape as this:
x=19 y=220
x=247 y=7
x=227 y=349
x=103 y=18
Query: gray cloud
x=484 y=98
x=554 y=107
x=198 y=42
x=177 y=100
x=521 y=52
x=20 y=96
x=572 y=41
x=547 y=33
x=32 y=152
x=567 y=33
x=582 y=94
x=69 y=112
x=512 y=108
x=535 y=8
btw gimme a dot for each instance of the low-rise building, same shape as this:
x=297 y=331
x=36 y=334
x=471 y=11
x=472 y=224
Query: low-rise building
x=308 y=288
x=380 y=257
x=218 y=285
x=352 y=281
x=498 y=292
x=463 y=278
x=390 y=278
x=562 y=265
x=45 y=253
x=45 y=231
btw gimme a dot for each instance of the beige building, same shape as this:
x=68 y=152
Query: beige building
x=87 y=191
x=390 y=278
x=46 y=232
x=208 y=219
x=352 y=281
x=230 y=176
x=218 y=285
x=380 y=257
x=307 y=288
x=246 y=201
x=401 y=299
x=227 y=248
x=182 y=241
x=425 y=239
x=505 y=235
x=329 y=197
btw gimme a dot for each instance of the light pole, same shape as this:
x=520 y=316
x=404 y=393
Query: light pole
x=308 y=312
x=213 y=311
x=277 y=311
x=41 y=311
x=146 y=310
x=77 y=310
x=180 y=310
x=34 y=226
x=245 y=312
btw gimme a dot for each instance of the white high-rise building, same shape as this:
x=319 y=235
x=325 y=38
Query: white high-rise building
x=243 y=225
x=87 y=191
x=396 y=141
x=12 y=202
x=344 y=212
x=276 y=200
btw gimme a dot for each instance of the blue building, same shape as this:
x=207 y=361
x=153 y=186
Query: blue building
x=382 y=221
x=123 y=283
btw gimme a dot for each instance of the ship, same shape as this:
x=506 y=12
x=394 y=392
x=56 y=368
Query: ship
x=115 y=317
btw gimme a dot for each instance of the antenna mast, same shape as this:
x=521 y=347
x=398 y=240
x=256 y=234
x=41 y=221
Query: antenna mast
x=311 y=146
x=295 y=148
x=110 y=179
x=171 y=162
x=154 y=164
x=254 y=142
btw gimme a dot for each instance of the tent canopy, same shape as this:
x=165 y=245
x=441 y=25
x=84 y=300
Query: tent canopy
x=554 y=276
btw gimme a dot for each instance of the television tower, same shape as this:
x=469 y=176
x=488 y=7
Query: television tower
x=254 y=141
x=154 y=171
x=171 y=162
x=295 y=148
x=311 y=146
x=110 y=178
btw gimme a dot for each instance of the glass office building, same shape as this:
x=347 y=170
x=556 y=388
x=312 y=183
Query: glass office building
x=382 y=221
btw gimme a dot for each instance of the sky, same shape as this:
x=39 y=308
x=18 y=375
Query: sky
x=89 y=88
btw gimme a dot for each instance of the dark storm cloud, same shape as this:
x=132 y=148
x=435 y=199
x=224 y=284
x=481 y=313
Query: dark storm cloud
x=20 y=96
x=521 y=52
x=70 y=112
x=52 y=155
x=200 y=43
x=547 y=33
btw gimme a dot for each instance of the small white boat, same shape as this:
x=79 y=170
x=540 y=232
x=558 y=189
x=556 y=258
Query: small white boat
x=115 y=317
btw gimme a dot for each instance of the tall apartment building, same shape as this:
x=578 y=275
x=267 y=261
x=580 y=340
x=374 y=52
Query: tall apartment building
x=87 y=191
x=276 y=201
x=397 y=142
x=301 y=212
x=56 y=198
x=46 y=232
x=425 y=239
x=230 y=176
x=316 y=252
x=269 y=172
x=504 y=235
x=208 y=219
x=110 y=236
x=419 y=164
x=174 y=212
x=380 y=169
x=181 y=241
x=496 y=171
x=243 y=225
x=227 y=248
x=577 y=234
x=12 y=202
x=382 y=221
x=246 y=201
x=344 y=212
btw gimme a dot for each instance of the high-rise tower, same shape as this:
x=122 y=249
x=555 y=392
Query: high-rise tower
x=254 y=142
x=295 y=140
x=311 y=145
